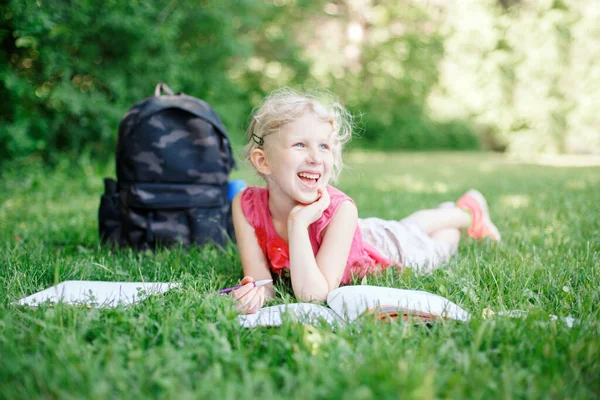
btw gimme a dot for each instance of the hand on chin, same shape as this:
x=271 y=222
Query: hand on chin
x=310 y=197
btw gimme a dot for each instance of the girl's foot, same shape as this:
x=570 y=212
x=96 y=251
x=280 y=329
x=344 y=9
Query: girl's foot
x=481 y=224
x=447 y=204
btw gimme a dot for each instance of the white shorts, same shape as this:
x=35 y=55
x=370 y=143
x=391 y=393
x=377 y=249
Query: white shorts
x=406 y=243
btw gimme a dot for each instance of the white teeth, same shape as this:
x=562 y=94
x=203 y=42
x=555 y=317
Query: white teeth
x=308 y=176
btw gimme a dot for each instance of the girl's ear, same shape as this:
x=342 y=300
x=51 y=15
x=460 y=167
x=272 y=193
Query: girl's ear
x=260 y=162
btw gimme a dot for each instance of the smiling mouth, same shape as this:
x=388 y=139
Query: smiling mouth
x=309 y=178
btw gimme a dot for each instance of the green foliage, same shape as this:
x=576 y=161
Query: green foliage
x=505 y=74
x=188 y=343
x=526 y=74
x=390 y=68
x=395 y=80
x=70 y=71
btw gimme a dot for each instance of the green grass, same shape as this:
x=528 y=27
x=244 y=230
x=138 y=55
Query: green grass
x=187 y=344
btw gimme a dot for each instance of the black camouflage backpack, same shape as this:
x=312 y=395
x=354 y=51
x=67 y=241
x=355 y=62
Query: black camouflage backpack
x=173 y=164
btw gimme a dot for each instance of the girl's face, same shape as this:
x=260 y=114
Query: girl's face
x=299 y=158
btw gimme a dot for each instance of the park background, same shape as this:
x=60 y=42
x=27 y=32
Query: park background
x=505 y=75
x=516 y=83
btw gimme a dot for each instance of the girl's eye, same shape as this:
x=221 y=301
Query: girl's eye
x=299 y=145
x=325 y=147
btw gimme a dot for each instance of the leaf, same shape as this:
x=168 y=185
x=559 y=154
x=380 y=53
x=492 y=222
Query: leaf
x=27 y=42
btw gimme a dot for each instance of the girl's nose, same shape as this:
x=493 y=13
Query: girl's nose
x=315 y=156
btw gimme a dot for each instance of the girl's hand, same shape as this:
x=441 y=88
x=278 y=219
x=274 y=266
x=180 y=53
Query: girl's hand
x=307 y=214
x=249 y=299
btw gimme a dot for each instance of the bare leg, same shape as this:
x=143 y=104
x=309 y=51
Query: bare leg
x=445 y=223
x=450 y=236
x=442 y=224
x=438 y=219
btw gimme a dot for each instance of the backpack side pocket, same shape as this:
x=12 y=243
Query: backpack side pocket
x=207 y=225
x=109 y=221
x=165 y=214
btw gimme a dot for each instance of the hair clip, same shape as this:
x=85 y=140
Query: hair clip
x=258 y=140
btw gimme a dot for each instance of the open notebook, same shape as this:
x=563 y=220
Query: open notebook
x=97 y=293
x=347 y=303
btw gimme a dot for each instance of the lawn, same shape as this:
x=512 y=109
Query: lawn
x=188 y=344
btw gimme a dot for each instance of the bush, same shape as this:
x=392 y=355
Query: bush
x=69 y=71
x=526 y=69
x=390 y=82
x=517 y=75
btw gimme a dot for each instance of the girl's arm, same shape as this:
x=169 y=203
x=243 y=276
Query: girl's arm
x=314 y=277
x=254 y=262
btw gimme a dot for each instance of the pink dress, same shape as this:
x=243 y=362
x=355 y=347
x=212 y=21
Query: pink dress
x=363 y=257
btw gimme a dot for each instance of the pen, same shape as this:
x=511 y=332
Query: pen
x=257 y=283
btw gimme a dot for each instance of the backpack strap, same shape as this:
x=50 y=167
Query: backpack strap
x=197 y=107
x=164 y=88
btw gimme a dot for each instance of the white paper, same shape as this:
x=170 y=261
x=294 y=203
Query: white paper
x=302 y=312
x=350 y=302
x=97 y=293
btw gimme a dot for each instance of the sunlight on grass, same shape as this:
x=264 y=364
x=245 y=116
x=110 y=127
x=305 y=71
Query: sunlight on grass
x=74 y=202
x=548 y=263
x=558 y=160
x=487 y=167
x=361 y=157
x=409 y=184
x=576 y=185
x=515 y=201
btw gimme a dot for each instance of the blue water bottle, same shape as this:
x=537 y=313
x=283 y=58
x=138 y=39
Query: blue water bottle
x=235 y=187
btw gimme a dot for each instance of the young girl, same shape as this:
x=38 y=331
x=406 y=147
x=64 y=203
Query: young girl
x=301 y=224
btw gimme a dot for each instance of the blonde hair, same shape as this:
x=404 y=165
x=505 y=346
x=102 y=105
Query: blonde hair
x=286 y=105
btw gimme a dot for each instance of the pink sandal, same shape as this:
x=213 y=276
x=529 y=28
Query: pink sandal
x=481 y=224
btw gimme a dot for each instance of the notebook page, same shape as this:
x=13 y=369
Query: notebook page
x=305 y=313
x=352 y=301
x=97 y=293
